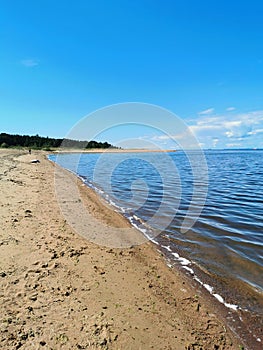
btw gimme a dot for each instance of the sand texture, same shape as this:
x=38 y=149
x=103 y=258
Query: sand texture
x=61 y=291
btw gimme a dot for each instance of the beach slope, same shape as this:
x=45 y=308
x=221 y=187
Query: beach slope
x=60 y=291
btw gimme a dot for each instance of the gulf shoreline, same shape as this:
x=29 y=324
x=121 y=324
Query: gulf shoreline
x=239 y=318
x=56 y=282
x=62 y=150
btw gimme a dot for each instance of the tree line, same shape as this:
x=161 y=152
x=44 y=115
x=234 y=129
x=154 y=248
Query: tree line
x=40 y=142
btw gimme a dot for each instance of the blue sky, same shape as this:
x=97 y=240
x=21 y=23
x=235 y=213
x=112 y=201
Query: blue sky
x=202 y=60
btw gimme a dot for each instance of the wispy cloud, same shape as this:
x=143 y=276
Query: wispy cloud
x=233 y=145
x=215 y=142
x=229 y=130
x=256 y=131
x=207 y=111
x=201 y=127
x=29 y=62
x=229 y=109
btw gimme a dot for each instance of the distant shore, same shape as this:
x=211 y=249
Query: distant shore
x=59 y=290
x=112 y=150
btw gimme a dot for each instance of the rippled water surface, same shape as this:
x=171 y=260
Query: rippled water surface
x=226 y=241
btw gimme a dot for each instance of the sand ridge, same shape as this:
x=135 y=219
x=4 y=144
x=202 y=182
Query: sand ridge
x=60 y=291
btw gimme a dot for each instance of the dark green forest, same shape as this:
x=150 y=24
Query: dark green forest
x=39 y=142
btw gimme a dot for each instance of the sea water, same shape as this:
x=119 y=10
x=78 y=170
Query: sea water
x=223 y=249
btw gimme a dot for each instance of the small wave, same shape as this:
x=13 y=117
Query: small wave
x=230 y=224
x=185 y=264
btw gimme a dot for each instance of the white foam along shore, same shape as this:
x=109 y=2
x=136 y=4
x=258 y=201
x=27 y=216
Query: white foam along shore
x=111 y=296
x=134 y=220
x=138 y=223
x=186 y=265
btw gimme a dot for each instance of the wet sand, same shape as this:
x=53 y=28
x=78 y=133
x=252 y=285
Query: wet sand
x=60 y=291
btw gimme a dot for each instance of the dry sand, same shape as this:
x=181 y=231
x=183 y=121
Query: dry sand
x=59 y=291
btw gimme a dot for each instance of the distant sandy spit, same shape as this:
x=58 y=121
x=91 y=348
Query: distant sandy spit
x=112 y=150
x=60 y=291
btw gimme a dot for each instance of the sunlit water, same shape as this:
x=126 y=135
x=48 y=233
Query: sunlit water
x=226 y=242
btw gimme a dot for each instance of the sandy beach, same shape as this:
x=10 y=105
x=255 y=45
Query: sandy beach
x=60 y=291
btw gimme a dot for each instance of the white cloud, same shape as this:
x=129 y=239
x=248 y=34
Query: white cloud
x=29 y=62
x=233 y=145
x=229 y=133
x=233 y=123
x=161 y=137
x=201 y=145
x=229 y=130
x=229 y=109
x=207 y=111
x=203 y=127
x=255 y=132
x=216 y=131
x=215 y=142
